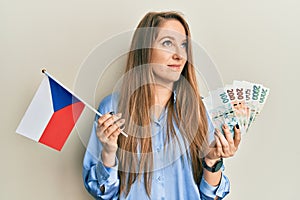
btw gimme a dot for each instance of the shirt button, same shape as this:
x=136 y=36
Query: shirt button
x=157 y=123
x=159 y=178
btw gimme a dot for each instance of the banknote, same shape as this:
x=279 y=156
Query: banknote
x=220 y=109
x=258 y=100
x=254 y=100
x=238 y=103
x=235 y=93
x=262 y=98
x=247 y=92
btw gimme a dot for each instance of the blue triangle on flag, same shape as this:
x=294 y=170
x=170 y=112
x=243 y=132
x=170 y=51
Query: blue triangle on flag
x=60 y=96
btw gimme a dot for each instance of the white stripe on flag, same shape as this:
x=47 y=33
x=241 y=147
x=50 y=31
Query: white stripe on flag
x=38 y=113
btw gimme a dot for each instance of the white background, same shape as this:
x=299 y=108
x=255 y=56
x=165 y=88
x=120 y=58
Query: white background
x=254 y=40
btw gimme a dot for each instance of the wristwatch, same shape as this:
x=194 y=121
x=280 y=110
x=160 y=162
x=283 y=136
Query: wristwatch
x=216 y=167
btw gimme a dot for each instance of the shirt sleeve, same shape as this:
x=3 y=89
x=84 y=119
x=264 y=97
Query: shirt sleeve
x=100 y=181
x=208 y=192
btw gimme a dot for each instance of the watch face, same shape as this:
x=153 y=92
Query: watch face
x=218 y=165
x=214 y=168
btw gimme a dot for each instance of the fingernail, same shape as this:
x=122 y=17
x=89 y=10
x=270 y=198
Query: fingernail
x=118 y=115
x=225 y=126
x=217 y=132
x=237 y=126
x=121 y=122
x=122 y=127
x=112 y=112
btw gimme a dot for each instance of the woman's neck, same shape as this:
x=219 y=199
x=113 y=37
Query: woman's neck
x=162 y=96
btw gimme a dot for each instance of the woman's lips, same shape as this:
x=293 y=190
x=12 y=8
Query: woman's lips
x=174 y=66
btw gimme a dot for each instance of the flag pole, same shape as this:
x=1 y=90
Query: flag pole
x=44 y=71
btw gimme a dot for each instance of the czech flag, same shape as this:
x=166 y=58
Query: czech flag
x=51 y=115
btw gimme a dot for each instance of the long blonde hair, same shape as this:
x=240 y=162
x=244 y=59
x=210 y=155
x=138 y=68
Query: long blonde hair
x=136 y=98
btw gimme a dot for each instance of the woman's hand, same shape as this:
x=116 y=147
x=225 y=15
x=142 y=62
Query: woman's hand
x=108 y=131
x=225 y=145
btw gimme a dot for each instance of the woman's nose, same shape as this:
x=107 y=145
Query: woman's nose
x=179 y=53
x=177 y=56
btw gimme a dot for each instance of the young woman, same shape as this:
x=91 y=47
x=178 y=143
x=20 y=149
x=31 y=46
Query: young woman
x=168 y=154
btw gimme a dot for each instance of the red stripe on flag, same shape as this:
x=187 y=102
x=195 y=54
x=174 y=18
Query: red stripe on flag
x=61 y=125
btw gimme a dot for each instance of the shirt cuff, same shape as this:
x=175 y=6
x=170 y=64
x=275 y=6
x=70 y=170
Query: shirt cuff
x=107 y=175
x=220 y=190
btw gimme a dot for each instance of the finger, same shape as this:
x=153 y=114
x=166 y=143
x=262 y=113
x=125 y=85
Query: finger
x=220 y=136
x=105 y=138
x=108 y=116
x=227 y=134
x=224 y=142
x=112 y=139
x=102 y=128
x=104 y=117
x=114 y=136
x=103 y=125
x=111 y=129
x=120 y=123
x=237 y=136
x=219 y=150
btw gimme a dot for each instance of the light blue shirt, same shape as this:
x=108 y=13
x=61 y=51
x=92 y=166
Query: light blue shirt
x=172 y=178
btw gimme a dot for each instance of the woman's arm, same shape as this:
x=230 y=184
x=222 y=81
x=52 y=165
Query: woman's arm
x=100 y=165
x=225 y=146
x=100 y=181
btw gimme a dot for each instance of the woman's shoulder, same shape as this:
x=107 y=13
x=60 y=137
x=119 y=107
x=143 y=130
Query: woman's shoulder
x=109 y=103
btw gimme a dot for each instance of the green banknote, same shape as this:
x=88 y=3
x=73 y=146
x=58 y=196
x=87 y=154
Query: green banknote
x=220 y=109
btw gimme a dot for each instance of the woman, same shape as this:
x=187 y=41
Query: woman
x=167 y=153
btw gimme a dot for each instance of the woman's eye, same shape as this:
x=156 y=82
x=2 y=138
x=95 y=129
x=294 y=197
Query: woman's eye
x=167 y=43
x=184 y=45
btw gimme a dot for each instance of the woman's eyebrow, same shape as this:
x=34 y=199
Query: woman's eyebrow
x=168 y=37
x=172 y=38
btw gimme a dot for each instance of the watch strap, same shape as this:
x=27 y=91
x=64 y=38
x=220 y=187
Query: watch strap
x=216 y=167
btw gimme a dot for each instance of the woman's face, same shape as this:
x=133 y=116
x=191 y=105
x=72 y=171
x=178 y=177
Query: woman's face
x=169 y=52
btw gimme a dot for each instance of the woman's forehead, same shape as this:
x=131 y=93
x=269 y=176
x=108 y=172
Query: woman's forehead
x=172 y=28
